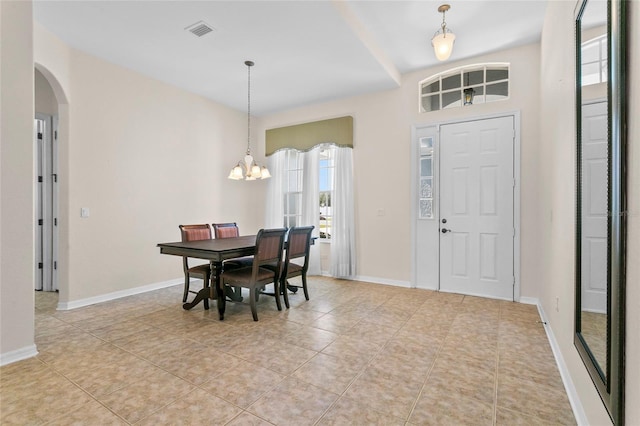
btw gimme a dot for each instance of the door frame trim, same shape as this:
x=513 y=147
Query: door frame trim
x=516 y=192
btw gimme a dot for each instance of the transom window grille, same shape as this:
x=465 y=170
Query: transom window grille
x=593 y=57
x=293 y=189
x=486 y=82
x=425 y=188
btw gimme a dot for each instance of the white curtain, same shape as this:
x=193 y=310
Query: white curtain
x=311 y=202
x=275 y=191
x=343 y=249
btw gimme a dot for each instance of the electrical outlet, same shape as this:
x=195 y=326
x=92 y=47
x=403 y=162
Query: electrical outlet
x=381 y=212
x=84 y=212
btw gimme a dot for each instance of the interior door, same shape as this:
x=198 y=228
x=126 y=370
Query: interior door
x=476 y=208
x=594 y=208
x=46 y=220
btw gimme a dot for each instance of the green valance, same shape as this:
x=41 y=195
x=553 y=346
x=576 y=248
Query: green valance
x=303 y=137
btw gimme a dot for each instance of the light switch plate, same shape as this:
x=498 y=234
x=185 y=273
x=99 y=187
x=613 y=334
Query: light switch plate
x=84 y=212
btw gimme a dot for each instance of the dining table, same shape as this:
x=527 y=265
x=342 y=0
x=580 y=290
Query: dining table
x=216 y=251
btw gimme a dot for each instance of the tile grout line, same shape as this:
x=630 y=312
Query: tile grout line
x=369 y=363
x=496 y=378
x=50 y=337
x=435 y=358
x=107 y=342
x=52 y=368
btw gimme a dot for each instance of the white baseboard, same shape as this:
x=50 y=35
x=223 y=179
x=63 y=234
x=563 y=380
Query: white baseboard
x=574 y=399
x=376 y=280
x=530 y=301
x=74 y=304
x=18 y=355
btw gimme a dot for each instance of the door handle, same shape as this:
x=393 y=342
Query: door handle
x=445 y=230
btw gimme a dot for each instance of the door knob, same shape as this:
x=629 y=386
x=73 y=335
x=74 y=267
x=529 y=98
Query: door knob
x=444 y=220
x=445 y=230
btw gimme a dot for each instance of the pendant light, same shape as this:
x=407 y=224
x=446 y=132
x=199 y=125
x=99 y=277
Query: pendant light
x=443 y=39
x=247 y=168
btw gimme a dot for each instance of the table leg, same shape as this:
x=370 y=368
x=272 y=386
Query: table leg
x=206 y=293
x=222 y=299
x=203 y=294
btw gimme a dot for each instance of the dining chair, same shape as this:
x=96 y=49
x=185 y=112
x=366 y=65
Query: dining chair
x=269 y=244
x=298 y=246
x=226 y=230
x=231 y=230
x=195 y=233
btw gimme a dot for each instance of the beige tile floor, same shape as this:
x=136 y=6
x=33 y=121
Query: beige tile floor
x=356 y=353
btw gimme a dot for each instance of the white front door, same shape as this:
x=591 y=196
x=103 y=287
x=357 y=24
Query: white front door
x=476 y=208
x=594 y=249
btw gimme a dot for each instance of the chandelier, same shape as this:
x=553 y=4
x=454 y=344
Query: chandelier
x=247 y=168
x=443 y=39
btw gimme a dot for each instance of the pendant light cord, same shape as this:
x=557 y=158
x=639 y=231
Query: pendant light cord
x=444 y=25
x=249 y=108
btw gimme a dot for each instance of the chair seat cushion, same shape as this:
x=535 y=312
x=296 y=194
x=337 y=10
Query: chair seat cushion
x=293 y=268
x=243 y=275
x=240 y=262
x=200 y=269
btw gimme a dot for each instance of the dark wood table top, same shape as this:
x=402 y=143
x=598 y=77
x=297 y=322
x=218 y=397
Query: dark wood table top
x=215 y=250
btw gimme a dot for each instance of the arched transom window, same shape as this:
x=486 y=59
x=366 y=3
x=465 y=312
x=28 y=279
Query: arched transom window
x=473 y=84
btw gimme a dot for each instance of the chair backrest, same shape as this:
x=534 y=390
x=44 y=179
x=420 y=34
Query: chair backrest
x=299 y=244
x=193 y=233
x=226 y=230
x=269 y=244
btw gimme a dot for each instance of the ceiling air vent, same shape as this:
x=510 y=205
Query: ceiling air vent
x=200 y=28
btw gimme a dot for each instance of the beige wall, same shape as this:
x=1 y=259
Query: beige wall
x=144 y=157
x=557 y=212
x=45 y=100
x=382 y=158
x=17 y=264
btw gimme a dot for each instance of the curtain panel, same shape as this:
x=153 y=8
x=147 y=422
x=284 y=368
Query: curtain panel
x=343 y=253
x=275 y=190
x=310 y=203
x=343 y=247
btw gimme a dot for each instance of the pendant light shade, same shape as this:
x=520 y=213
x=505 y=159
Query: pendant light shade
x=443 y=39
x=247 y=168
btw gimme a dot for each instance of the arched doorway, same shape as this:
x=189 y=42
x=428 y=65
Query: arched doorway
x=51 y=114
x=46 y=220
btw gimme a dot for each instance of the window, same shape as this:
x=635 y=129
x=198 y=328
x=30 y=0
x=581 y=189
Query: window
x=315 y=187
x=594 y=61
x=325 y=186
x=425 y=196
x=293 y=188
x=294 y=169
x=486 y=83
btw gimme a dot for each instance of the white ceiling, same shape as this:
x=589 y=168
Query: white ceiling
x=305 y=51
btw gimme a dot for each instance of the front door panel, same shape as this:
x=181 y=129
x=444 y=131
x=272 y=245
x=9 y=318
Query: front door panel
x=476 y=206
